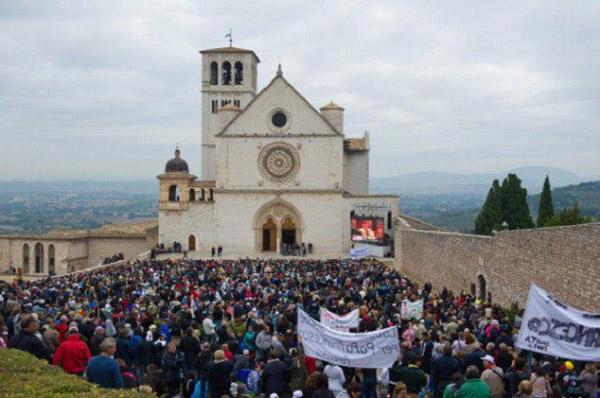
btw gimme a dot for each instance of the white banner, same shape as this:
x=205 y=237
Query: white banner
x=343 y=323
x=412 y=309
x=552 y=328
x=359 y=252
x=371 y=350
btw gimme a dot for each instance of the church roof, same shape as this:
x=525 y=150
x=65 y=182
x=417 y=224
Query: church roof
x=229 y=50
x=279 y=75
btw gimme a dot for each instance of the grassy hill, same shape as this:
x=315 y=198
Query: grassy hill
x=587 y=194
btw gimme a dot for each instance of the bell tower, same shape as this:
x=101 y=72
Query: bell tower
x=228 y=78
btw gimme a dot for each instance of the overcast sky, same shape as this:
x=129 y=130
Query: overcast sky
x=106 y=89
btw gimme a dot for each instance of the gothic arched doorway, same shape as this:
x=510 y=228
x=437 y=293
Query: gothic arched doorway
x=288 y=231
x=269 y=236
x=192 y=243
x=482 y=287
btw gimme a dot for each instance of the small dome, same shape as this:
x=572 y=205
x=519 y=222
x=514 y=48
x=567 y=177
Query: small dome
x=332 y=106
x=177 y=164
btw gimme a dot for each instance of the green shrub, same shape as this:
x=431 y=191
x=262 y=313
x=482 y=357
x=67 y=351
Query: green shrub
x=23 y=375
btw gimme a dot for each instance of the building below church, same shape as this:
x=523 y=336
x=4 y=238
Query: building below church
x=277 y=174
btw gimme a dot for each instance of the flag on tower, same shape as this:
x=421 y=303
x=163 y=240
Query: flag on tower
x=229 y=34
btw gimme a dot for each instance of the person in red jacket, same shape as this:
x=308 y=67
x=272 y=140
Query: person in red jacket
x=62 y=327
x=72 y=354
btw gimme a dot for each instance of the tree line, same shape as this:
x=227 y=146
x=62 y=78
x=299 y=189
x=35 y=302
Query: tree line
x=506 y=207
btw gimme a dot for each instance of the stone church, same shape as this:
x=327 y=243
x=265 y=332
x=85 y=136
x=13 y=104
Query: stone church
x=275 y=170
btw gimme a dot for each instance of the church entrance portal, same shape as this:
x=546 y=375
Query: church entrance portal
x=277 y=223
x=288 y=231
x=269 y=236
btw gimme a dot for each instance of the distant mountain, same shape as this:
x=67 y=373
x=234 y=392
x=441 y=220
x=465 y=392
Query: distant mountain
x=456 y=183
x=586 y=194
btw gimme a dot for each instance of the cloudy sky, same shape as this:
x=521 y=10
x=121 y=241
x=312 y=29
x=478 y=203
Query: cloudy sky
x=106 y=89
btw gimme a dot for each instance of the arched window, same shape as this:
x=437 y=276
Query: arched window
x=39 y=258
x=174 y=192
x=202 y=195
x=482 y=287
x=192 y=195
x=191 y=243
x=210 y=195
x=51 y=260
x=226 y=72
x=239 y=73
x=26 y=258
x=214 y=73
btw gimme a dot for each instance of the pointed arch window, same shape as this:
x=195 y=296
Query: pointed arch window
x=39 y=258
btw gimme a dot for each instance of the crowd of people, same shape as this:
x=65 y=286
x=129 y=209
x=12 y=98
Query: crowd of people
x=215 y=328
x=114 y=258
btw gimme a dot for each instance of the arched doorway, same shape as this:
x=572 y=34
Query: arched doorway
x=269 y=236
x=275 y=219
x=39 y=258
x=288 y=231
x=51 y=260
x=482 y=287
x=192 y=243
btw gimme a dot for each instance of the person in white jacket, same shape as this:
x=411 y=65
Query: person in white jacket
x=336 y=378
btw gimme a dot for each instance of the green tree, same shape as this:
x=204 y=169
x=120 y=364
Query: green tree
x=546 y=208
x=490 y=216
x=569 y=216
x=515 y=210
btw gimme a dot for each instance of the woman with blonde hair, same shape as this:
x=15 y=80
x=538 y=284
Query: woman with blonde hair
x=525 y=389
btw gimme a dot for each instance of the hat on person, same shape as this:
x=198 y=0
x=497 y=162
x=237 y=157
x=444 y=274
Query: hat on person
x=273 y=395
x=73 y=329
x=488 y=358
x=297 y=394
x=569 y=365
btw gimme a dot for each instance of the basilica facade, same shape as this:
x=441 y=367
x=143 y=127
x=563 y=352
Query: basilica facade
x=276 y=172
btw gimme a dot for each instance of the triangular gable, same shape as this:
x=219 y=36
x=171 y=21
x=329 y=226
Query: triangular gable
x=258 y=101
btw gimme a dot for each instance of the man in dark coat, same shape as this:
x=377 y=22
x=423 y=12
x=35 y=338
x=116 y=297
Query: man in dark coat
x=27 y=341
x=275 y=377
x=442 y=370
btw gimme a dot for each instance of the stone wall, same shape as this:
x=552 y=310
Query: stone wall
x=562 y=260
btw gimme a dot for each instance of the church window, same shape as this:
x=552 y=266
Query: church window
x=202 y=195
x=237 y=103
x=39 y=257
x=210 y=195
x=214 y=73
x=174 y=193
x=192 y=195
x=239 y=73
x=279 y=119
x=26 y=258
x=226 y=73
x=51 y=260
x=225 y=102
x=215 y=106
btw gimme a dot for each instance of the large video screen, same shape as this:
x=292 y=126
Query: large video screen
x=367 y=228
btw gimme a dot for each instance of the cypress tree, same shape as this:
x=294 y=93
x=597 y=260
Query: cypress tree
x=546 y=208
x=490 y=216
x=515 y=210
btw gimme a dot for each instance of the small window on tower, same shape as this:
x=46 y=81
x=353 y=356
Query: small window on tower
x=215 y=106
x=237 y=103
x=214 y=73
x=239 y=73
x=226 y=73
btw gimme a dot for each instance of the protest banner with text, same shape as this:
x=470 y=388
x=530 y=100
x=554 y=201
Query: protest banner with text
x=343 y=323
x=553 y=328
x=373 y=350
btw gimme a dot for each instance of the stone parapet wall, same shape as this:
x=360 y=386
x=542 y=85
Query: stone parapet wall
x=562 y=260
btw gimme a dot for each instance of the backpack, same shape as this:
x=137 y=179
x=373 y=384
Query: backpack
x=130 y=380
